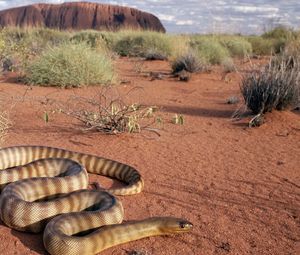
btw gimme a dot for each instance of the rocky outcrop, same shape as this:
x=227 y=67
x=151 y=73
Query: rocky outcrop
x=80 y=15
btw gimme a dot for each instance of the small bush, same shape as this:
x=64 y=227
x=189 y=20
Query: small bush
x=228 y=65
x=93 y=38
x=189 y=62
x=70 y=65
x=280 y=32
x=211 y=50
x=152 y=54
x=23 y=45
x=137 y=44
x=261 y=46
x=237 y=46
x=280 y=36
x=275 y=87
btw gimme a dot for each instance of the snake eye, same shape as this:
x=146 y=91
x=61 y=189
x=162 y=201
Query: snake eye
x=182 y=224
x=185 y=225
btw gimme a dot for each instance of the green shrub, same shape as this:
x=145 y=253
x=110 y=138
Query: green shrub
x=93 y=38
x=275 y=87
x=261 y=46
x=23 y=45
x=70 y=65
x=279 y=32
x=237 y=46
x=137 y=43
x=280 y=37
x=129 y=46
x=228 y=65
x=210 y=49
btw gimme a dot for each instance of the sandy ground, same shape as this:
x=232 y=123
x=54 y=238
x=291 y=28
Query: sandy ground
x=239 y=186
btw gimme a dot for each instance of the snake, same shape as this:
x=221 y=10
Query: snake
x=46 y=189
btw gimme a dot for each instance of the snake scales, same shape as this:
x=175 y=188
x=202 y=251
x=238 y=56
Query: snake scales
x=45 y=187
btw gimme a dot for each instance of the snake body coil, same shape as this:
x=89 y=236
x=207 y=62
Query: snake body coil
x=45 y=187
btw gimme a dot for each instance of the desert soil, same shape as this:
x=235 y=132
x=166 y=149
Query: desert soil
x=239 y=186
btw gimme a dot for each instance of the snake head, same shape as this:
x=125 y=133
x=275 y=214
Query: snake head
x=175 y=225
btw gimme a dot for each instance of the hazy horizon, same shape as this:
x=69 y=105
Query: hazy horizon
x=214 y=16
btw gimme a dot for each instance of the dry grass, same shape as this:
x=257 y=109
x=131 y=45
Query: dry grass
x=274 y=88
x=189 y=62
x=108 y=113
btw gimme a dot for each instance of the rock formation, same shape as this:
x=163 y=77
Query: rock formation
x=80 y=15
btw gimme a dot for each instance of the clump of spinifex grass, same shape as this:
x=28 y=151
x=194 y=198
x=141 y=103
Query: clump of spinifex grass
x=236 y=45
x=71 y=65
x=20 y=46
x=273 y=41
x=210 y=49
x=276 y=87
x=140 y=43
x=189 y=62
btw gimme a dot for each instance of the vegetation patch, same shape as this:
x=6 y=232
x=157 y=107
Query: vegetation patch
x=228 y=65
x=19 y=46
x=236 y=45
x=109 y=114
x=210 y=49
x=189 y=62
x=139 y=44
x=71 y=65
x=274 y=88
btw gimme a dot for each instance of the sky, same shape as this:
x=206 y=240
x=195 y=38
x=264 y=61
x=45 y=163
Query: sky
x=207 y=16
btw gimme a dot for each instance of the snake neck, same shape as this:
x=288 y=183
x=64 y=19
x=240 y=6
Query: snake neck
x=129 y=231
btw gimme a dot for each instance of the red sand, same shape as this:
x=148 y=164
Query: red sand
x=239 y=186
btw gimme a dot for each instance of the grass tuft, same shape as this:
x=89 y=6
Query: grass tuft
x=138 y=43
x=277 y=87
x=210 y=49
x=70 y=65
x=236 y=45
x=189 y=62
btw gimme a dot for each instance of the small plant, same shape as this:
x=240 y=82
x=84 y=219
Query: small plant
x=46 y=117
x=210 y=49
x=153 y=54
x=261 y=46
x=189 y=62
x=237 y=46
x=178 y=119
x=110 y=115
x=139 y=43
x=70 y=65
x=277 y=87
x=159 y=120
x=228 y=65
